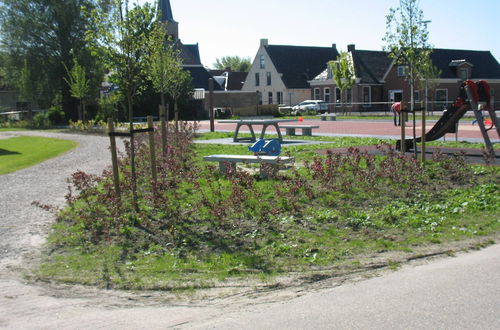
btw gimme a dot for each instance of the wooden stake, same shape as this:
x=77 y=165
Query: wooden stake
x=152 y=150
x=114 y=158
x=163 y=127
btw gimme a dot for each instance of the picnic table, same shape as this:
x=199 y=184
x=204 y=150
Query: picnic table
x=250 y=122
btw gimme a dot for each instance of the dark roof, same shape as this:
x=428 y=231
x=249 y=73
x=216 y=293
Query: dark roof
x=370 y=65
x=200 y=77
x=166 y=11
x=298 y=64
x=235 y=80
x=190 y=55
x=485 y=66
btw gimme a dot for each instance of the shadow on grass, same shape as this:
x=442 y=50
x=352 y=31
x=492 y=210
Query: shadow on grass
x=4 y=152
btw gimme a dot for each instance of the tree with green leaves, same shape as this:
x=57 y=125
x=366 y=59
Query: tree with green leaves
x=343 y=74
x=121 y=37
x=48 y=34
x=27 y=89
x=79 y=86
x=234 y=63
x=407 y=41
x=167 y=73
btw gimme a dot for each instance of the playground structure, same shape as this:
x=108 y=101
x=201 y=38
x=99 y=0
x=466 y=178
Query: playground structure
x=472 y=96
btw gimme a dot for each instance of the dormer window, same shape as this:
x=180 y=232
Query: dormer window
x=463 y=74
x=402 y=70
x=462 y=68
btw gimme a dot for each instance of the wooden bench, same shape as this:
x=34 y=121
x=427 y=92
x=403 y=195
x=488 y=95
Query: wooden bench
x=306 y=129
x=330 y=116
x=228 y=162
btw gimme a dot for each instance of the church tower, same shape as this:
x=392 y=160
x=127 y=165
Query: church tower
x=166 y=17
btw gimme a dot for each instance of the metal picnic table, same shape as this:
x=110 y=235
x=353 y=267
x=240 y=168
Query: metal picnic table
x=250 y=122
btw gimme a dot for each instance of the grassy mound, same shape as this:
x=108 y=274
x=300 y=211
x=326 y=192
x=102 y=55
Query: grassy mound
x=195 y=227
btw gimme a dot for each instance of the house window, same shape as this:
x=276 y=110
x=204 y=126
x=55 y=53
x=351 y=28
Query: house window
x=262 y=62
x=257 y=79
x=367 y=96
x=268 y=76
x=348 y=93
x=327 y=95
x=270 y=97
x=416 y=96
x=402 y=70
x=317 y=95
x=279 y=97
x=337 y=95
x=441 y=98
x=463 y=74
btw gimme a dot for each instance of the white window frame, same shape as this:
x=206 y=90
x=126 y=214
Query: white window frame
x=326 y=92
x=401 y=70
x=262 y=61
x=339 y=99
x=348 y=96
x=270 y=97
x=369 y=103
x=317 y=93
x=416 y=95
x=279 y=97
x=438 y=102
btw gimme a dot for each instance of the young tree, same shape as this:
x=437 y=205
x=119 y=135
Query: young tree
x=407 y=41
x=167 y=73
x=27 y=86
x=79 y=86
x=343 y=75
x=121 y=37
x=234 y=63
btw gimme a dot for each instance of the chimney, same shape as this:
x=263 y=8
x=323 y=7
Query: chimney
x=264 y=42
x=334 y=46
x=351 y=48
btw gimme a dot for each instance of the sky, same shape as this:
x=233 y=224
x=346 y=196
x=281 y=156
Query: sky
x=235 y=27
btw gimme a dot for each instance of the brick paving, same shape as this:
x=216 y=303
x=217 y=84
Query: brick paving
x=376 y=128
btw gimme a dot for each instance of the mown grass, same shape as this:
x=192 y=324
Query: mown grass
x=24 y=151
x=204 y=227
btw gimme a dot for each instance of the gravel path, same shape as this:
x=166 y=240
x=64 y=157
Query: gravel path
x=24 y=226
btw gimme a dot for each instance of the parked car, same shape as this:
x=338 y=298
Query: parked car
x=317 y=106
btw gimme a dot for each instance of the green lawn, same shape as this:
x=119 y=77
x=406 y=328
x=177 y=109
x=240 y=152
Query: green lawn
x=25 y=151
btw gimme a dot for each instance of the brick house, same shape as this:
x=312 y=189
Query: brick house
x=370 y=67
x=280 y=74
x=455 y=66
x=380 y=81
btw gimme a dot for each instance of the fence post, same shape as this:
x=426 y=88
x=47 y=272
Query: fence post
x=114 y=158
x=151 y=134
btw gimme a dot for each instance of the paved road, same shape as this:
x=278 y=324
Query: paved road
x=453 y=293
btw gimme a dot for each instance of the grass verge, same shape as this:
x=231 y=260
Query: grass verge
x=25 y=151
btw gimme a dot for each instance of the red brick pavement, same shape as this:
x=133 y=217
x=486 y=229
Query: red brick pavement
x=364 y=127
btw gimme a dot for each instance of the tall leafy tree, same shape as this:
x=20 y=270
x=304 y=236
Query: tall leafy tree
x=234 y=63
x=48 y=33
x=343 y=75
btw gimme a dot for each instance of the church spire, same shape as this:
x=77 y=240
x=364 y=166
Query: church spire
x=166 y=11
